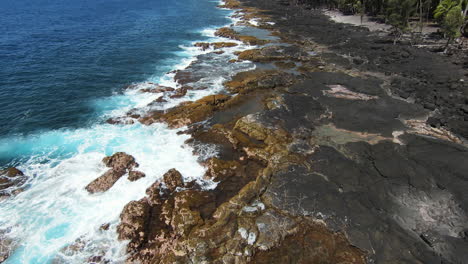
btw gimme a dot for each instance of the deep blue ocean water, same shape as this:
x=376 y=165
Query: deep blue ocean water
x=57 y=56
x=63 y=68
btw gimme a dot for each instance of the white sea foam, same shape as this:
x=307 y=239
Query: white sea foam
x=55 y=210
x=254 y=22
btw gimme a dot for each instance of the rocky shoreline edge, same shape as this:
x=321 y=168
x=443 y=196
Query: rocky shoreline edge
x=333 y=150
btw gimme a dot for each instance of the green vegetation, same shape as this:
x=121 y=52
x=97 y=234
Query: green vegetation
x=451 y=15
x=451 y=18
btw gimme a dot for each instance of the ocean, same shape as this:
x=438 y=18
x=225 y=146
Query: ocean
x=64 y=69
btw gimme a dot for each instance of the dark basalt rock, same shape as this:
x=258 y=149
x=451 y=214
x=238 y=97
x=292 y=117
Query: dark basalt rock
x=384 y=195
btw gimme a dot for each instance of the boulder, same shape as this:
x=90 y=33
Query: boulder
x=105 y=181
x=133 y=219
x=173 y=179
x=120 y=163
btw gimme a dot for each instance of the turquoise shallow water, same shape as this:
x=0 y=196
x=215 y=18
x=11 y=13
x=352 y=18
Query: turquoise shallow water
x=63 y=67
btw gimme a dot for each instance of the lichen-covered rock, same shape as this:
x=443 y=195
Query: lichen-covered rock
x=173 y=179
x=310 y=243
x=120 y=161
x=248 y=81
x=187 y=113
x=133 y=219
x=219 y=170
x=135 y=175
x=105 y=181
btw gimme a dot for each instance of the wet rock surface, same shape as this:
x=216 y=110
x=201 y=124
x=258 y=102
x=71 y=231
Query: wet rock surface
x=6 y=246
x=11 y=180
x=189 y=112
x=120 y=164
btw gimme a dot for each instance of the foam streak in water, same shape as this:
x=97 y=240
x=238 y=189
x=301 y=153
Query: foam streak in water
x=55 y=211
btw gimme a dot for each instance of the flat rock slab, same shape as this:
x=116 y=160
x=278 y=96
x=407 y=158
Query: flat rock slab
x=401 y=198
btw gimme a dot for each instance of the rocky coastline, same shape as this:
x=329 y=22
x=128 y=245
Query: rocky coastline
x=339 y=147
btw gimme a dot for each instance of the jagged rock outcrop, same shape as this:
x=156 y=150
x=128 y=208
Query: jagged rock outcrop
x=189 y=112
x=215 y=45
x=120 y=164
x=227 y=32
x=173 y=179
